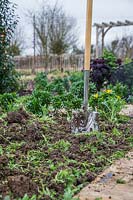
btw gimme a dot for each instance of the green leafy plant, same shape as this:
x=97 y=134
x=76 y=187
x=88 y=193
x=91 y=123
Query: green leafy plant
x=58 y=86
x=65 y=176
x=37 y=100
x=62 y=145
x=7 y=100
x=77 y=88
x=41 y=81
x=35 y=156
x=8 y=21
x=46 y=191
x=26 y=197
x=68 y=195
x=116 y=132
x=12 y=147
x=127 y=60
x=130 y=140
x=66 y=92
x=1 y=150
x=120 y=181
x=108 y=104
x=66 y=83
x=67 y=101
x=110 y=59
x=76 y=76
x=118 y=155
x=12 y=163
x=119 y=89
x=70 y=101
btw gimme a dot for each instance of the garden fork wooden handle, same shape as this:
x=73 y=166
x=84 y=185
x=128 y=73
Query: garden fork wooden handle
x=88 y=34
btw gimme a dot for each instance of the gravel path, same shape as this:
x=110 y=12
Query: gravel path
x=128 y=110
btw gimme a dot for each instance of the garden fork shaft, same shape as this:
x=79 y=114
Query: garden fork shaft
x=87 y=52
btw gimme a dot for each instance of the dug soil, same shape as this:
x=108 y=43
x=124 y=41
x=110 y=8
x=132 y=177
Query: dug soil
x=43 y=158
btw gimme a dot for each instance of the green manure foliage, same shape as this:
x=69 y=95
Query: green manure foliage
x=1 y=150
x=60 y=163
x=62 y=145
x=26 y=197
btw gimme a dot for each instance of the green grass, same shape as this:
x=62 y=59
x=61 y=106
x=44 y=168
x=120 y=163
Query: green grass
x=120 y=181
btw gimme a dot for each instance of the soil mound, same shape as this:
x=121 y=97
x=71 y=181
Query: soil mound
x=19 y=116
x=21 y=185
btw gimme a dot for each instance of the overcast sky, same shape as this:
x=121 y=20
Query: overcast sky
x=103 y=11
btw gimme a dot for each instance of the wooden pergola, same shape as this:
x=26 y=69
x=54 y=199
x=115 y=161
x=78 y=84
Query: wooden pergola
x=103 y=28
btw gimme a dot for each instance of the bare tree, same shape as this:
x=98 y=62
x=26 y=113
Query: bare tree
x=123 y=47
x=126 y=46
x=55 y=30
x=113 y=46
x=78 y=50
x=17 y=43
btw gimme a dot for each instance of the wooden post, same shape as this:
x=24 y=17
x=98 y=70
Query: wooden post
x=34 y=44
x=87 y=52
x=97 y=42
x=102 y=41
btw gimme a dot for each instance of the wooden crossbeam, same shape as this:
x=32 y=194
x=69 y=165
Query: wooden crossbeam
x=119 y=23
x=105 y=24
x=129 y=22
x=103 y=28
x=113 y=24
x=97 y=25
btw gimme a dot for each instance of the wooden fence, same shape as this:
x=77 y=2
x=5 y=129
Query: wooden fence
x=50 y=63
